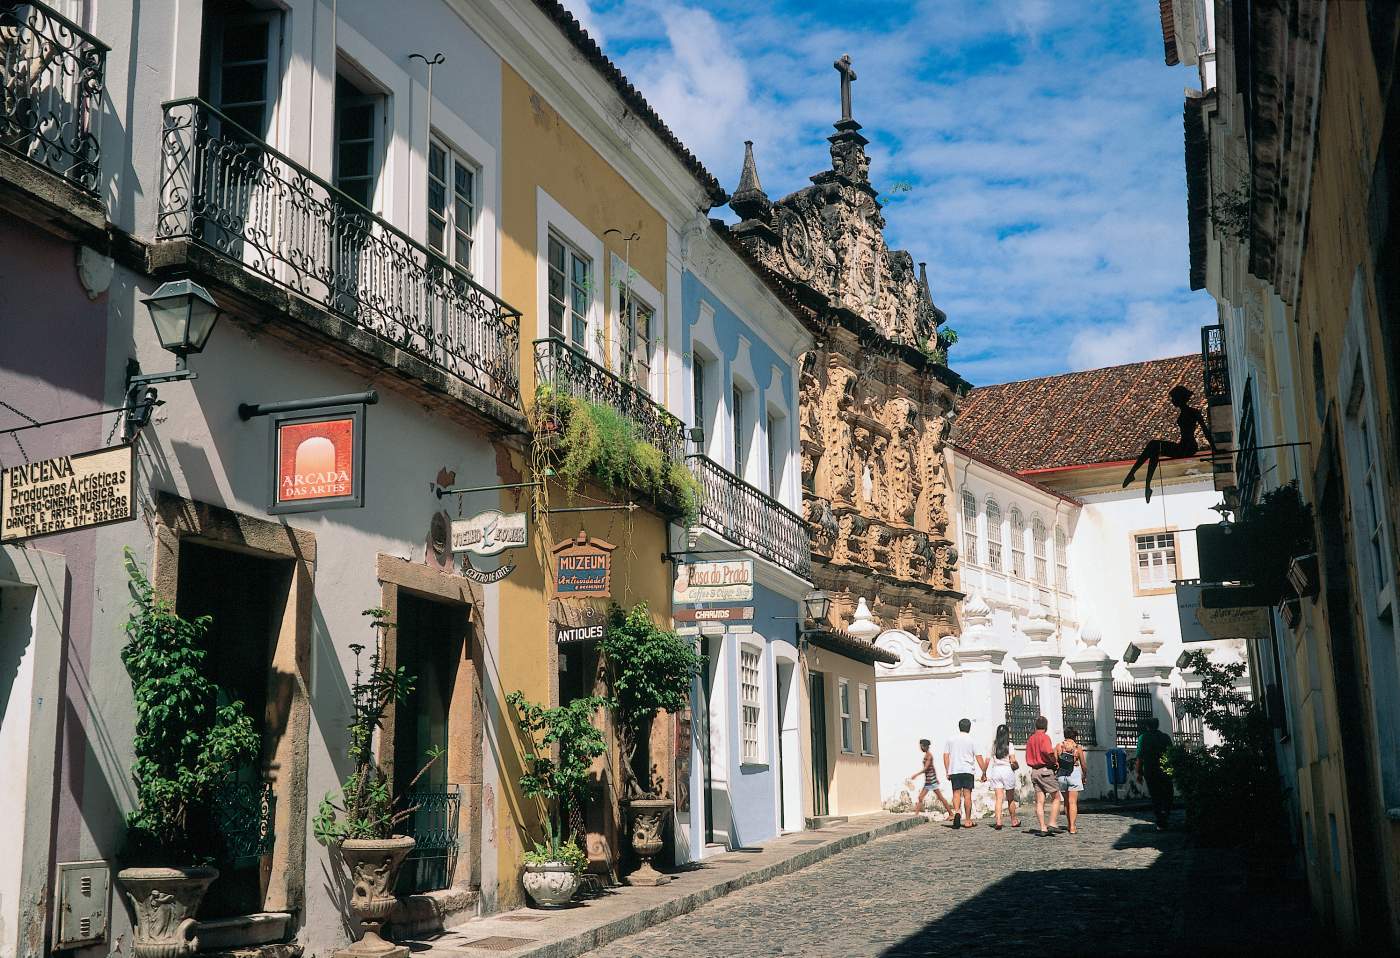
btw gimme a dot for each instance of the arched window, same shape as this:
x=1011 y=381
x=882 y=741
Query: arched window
x=994 y=535
x=1061 y=560
x=1042 y=571
x=1018 y=543
x=969 y=511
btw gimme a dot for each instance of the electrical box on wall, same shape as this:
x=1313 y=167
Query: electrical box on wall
x=84 y=890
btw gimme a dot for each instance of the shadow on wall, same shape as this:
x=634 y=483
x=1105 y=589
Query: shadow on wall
x=1127 y=909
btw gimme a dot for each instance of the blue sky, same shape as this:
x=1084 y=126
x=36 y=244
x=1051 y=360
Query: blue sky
x=1029 y=150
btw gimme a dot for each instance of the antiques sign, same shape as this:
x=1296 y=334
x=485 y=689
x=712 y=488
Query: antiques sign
x=713 y=582
x=489 y=533
x=583 y=567
x=318 y=460
x=569 y=635
x=1201 y=623
x=68 y=492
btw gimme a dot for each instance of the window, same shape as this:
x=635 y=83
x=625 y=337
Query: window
x=1370 y=506
x=1061 y=560
x=867 y=744
x=243 y=67
x=452 y=208
x=357 y=124
x=1042 y=570
x=697 y=379
x=737 y=412
x=969 y=508
x=994 y=535
x=636 y=339
x=844 y=690
x=750 y=661
x=570 y=288
x=1156 y=560
x=774 y=465
x=1018 y=543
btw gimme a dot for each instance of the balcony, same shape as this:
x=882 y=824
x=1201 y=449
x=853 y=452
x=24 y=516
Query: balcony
x=51 y=86
x=1220 y=414
x=224 y=190
x=565 y=369
x=758 y=522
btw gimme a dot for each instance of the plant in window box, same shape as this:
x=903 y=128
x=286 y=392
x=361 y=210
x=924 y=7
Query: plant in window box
x=365 y=821
x=650 y=670
x=1277 y=530
x=552 y=869
x=186 y=745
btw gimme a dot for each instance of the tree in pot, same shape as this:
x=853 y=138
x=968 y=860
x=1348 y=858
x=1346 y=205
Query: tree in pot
x=553 y=868
x=186 y=745
x=364 y=821
x=649 y=670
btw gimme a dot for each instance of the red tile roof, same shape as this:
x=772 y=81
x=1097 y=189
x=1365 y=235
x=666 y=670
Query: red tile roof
x=1169 y=50
x=1076 y=419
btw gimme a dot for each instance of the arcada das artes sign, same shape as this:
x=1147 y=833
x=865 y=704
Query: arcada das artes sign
x=318 y=460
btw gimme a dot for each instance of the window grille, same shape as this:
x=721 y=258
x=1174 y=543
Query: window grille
x=1022 y=705
x=1077 y=703
x=1132 y=703
x=1190 y=729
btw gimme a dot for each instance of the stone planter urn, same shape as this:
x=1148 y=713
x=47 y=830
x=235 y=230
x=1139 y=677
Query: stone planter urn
x=648 y=817
x=165 y=901
x=374 y=864
x=550 y=884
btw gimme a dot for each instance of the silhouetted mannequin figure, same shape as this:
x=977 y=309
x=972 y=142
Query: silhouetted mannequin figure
x=1189 y=419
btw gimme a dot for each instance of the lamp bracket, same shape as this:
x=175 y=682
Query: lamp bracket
x=149 y=379
x=248 y=410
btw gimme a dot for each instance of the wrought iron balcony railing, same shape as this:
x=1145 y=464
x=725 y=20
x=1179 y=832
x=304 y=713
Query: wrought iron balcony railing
x=758 y=522
x=1216 y=362
x=560 y=366
x=51 y=79
x=226 y=190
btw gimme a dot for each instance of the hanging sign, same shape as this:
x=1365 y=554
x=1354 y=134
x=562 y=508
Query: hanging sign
x=568 y=635
x=730 y=581
x=489 y=533
x=730 y=613
x=485 y=578
x=318 y=460
x=66 y=493
x=1202 y=623
x=583 y=567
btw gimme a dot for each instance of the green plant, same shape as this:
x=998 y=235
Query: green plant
x=1231 y=213
x=555 y=850
x=949 y=335
x=650 y=670
x=186 y=743
x=560 y=782
x=1232 y=790
x=1276 y=529
x=367 y=807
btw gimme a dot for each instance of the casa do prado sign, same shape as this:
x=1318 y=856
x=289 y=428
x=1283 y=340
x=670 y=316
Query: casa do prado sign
x=67 y=493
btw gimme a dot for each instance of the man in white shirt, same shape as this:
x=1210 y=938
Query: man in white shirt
x=961 y=761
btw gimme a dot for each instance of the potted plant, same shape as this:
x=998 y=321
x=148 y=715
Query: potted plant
x=552 y=869
x=186 y=745
x=363 y=823
x=649 y=670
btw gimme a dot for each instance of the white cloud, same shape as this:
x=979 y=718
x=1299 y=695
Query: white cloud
x=1149 y=331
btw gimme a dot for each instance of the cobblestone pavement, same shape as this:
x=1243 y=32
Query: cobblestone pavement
x=1117 y=887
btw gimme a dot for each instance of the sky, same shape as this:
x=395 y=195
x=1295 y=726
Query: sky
x=1030 y=151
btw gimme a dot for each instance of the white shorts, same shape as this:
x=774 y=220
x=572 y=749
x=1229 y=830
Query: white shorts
x=1073 y=782
x=1001 y=776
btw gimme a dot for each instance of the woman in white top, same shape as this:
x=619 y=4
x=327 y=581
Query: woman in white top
x=999 y=769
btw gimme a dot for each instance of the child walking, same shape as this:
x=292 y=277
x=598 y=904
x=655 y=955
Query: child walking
x=930 y=774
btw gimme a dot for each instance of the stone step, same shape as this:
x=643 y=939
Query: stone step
x=825 y=821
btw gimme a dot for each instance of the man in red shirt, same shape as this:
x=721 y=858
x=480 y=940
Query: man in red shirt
x=1040 y=757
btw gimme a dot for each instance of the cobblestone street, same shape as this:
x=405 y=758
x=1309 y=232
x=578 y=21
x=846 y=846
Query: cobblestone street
x=1117 y=887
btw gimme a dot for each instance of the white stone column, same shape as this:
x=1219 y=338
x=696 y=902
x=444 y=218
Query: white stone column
x=1041 y=662
x=1155 y=673
x=1093 y=665
x=981 y=658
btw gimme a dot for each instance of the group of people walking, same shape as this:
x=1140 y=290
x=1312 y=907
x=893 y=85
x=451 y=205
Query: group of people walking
x=1056 y=772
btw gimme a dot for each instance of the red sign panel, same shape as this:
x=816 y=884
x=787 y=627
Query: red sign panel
x=318 y=460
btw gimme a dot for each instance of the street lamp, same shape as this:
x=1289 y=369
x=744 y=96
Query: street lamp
x=816 y=605
x=184 y=315
x=1131 y=653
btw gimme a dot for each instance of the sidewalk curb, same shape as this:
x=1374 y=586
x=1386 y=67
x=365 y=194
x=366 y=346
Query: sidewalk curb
x=631 y=924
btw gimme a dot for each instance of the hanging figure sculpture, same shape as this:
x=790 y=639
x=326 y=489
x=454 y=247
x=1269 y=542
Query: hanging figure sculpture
x=1188 y=419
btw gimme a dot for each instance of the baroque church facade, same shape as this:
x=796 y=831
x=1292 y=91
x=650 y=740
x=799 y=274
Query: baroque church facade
x=877 y=398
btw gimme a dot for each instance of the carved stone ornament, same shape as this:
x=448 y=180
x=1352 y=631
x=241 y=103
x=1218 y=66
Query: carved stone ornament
x=373 y=865
x=648 y=816
x=165 y=901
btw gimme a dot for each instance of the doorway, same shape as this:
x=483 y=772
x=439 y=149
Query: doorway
x=789 y=741
x=820 y=783
x=244 y=597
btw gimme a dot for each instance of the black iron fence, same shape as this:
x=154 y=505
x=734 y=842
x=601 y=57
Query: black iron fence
x=1190 y=728
x=743 y=514
x=558 y=366
x=1022 y=705
x=223 y=188
x=51 y=82
x=433 y=825
x=1132 y=706
x=1077 y=703
x=244 y=814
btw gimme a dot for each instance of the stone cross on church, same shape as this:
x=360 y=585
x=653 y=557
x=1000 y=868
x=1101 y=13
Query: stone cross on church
x=876 y=395
x=848 y=76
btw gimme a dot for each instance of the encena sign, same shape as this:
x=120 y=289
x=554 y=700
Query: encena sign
x=66 y=493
